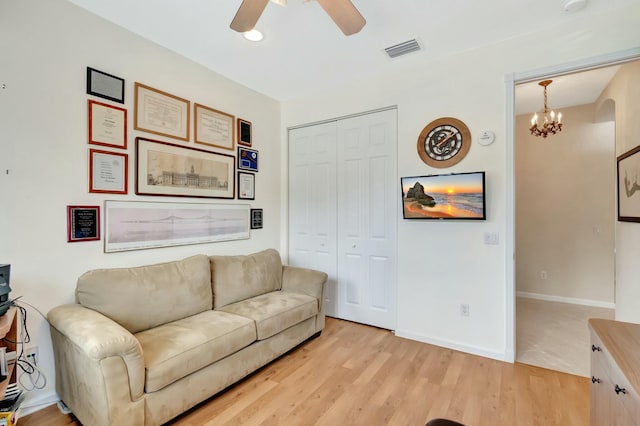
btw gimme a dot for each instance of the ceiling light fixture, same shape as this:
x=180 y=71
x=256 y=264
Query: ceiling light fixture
x=253 y=35
x=549 y=122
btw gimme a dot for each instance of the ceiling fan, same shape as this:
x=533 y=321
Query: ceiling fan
x=343 y=13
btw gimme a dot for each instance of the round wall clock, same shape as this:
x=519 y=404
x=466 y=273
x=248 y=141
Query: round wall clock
x=444 y=142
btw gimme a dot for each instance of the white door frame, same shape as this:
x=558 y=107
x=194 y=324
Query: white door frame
x=510 y=81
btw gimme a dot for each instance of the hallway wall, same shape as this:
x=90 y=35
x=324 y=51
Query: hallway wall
x=565 y=209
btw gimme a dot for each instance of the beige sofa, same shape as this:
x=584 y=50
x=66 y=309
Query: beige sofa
x=144 y=344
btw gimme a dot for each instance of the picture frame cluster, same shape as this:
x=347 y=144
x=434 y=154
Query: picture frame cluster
x=220 y=162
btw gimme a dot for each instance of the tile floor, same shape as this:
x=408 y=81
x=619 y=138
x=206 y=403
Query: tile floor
x=555 y=335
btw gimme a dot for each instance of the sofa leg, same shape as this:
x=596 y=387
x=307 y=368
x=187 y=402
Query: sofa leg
x=315 y=336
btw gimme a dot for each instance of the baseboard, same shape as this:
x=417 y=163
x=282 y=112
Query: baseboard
x=572 y=300
x=474 y=350
x=38 y=403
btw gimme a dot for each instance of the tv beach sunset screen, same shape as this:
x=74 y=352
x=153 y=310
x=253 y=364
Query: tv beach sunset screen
x=452 y=196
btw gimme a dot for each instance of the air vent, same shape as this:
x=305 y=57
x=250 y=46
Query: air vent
x=403 y=48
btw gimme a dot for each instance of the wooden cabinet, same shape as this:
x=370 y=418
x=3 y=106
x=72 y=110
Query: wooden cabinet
x=615 y=373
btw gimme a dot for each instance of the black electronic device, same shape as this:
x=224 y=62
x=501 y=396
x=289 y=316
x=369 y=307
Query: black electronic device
x=5 y=274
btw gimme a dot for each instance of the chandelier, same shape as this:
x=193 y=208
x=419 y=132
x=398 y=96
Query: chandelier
x=549 y=122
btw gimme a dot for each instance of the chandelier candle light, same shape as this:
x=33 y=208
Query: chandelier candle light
x=549 y=123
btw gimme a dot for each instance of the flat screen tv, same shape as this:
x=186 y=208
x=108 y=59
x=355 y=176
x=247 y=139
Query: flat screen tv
x=443 y=197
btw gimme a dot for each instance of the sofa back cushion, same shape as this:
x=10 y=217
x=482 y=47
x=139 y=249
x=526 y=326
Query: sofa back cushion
x=144 y=297
x=236 y=278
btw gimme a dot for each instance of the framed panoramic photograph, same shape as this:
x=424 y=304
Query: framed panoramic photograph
x=256 y=218
x=178 y=171
x=83 y=223
x=105 y=85
x=134 y=225
x=108 y=172
x=213 y=127
x=107 y=125
x=161 y=113
x=244 y=132
x=247 y=159
x=629 y=186
x=246 y=186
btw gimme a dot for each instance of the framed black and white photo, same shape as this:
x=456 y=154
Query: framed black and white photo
x=246 y=186
x=104 y=85
x=178 y=171
x=135 y=225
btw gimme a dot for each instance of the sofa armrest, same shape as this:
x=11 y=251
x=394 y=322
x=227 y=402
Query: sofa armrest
x=309 y=282
x=100 y=368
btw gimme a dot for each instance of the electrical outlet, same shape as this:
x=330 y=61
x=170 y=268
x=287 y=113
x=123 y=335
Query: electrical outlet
x=31 y=354
x=464 y=309
x=543 y=275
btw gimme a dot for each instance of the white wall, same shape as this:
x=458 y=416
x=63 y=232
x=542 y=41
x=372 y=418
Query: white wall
x=444 y=264
x=624 y=90
x=565 y=209
x=46 y=47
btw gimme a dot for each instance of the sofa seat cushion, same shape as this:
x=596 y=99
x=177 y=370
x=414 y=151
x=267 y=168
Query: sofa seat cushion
x=177 y=349
x=275 y=311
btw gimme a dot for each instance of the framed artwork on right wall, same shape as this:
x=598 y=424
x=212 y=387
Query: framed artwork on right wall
x=629 y=186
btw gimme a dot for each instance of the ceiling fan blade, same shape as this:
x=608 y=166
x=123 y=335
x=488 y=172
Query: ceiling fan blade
x=247 y=15
x=344 y=14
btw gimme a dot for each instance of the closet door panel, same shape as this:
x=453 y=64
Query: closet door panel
x=312 y=203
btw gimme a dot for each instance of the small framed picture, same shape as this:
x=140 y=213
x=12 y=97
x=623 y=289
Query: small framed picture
x=256 y=218
x=83 y=223
x=105 y=85
x=108 y=172
x=247 y=159
x=244 y=132
x=107 y=125
x=246 y=186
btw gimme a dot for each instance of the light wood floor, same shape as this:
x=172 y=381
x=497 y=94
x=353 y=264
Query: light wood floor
x=359 y=375
x=555 y=335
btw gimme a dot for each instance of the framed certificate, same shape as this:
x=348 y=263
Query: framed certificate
x=107 y=125
x=83 y=223
x=246 y=186
x=108 y=172
x=161 y=113
x=213 y=127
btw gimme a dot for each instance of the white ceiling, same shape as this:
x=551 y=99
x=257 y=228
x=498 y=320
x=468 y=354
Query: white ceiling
x=304 y=52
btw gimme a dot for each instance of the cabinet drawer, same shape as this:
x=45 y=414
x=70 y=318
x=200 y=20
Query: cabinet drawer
x=623 y=391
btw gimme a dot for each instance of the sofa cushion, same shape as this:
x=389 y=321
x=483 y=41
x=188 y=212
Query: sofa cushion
x=236 y=278
x=175 y=350
x=275 y=311
x=147 y=296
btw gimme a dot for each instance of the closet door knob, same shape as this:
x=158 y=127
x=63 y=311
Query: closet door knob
x=594 y=379
x=620 y=390
x=595 y=348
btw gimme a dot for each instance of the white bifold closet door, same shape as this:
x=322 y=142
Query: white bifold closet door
x=343 y=204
